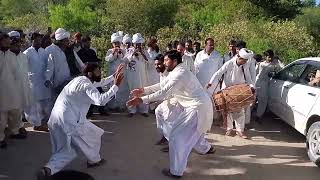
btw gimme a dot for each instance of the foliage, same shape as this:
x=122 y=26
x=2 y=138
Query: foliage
x=144 y=16
x=310 y=20
x=290 y=27
x=286 y=38
x=74 y=16
x=309 y=3
x=16 y=8
x=29 y=22
x=279 y=9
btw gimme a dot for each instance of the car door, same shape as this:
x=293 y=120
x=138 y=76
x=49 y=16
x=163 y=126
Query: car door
x=302 y=96
x=274 y=100
x=279 y=89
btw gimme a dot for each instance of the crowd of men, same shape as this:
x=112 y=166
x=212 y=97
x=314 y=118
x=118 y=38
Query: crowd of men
x=56 y=81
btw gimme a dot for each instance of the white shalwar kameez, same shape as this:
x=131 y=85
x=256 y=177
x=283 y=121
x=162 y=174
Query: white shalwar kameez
x=251 y=65
x=262 y=84
x=167 y=111
x=188 y=61
x=226 y=57
x=233 y=75
x=114 y=60
x=40 y=107
x=70 y=131
x=23 y=80
x=137 y=76
x=57 y=71
x=153 y=75
x=13 y=92
x=206 y=65
x=188 y=128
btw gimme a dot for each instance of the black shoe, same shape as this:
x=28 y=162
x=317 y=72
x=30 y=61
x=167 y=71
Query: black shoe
x=145 y=115
x=102 y=112
x=41 y=128
x=167 y=173
x=165 y=149
x=3 y=144
x=89 y=114
x=100 y=163
x=24 y=120
x=44 y=174
x=162 y=141
x=212 y=150
x=130 y=115
x=258 y=120
x=21 y=135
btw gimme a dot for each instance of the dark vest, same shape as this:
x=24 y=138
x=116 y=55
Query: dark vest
x=88 y=55
x=71 y=59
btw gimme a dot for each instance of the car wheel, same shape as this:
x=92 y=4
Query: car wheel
x=313 y=143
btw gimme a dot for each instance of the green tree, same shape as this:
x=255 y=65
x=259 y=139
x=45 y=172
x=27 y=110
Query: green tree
x=144 y=16
x=76 y=15
x=279 y=9
x=309 y=3
x=16 y=8
x=310 y=20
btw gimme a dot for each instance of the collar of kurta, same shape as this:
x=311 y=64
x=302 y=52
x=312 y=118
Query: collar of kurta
x=178 y=67
x=234 y=59
x=57 y=47
x=211 y=54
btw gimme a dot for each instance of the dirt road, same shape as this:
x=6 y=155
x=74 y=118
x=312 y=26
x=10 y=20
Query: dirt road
x=275 y=151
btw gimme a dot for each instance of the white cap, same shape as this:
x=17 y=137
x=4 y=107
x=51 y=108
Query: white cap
x=120 y=33
x=14 y=34
x=126 y=39
x=115 y=37
x=137 y=38
x=245 y=53
x=61 y=34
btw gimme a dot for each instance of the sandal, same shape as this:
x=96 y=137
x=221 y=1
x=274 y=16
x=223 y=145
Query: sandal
x=228 y=132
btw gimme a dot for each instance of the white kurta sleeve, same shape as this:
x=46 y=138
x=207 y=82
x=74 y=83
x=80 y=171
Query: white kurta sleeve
x=103 y=98
x=170 y=87
x=149 y=60
x=104 y=81
x=252 y=69
x=110 y=57
x=50 y=68
x=217 y=75
x=196 y=65
x=249 y=80
x=152 y=88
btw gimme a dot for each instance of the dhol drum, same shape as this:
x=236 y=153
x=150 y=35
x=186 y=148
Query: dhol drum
x=233 y=98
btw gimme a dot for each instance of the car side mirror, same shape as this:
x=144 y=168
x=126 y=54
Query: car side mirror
x=272 y=74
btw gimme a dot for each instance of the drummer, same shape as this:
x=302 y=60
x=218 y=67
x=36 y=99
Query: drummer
x=235 y=73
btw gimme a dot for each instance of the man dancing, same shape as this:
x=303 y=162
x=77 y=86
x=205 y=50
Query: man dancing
x=188 y=129
x=70 y=131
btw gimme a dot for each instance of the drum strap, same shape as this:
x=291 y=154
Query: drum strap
x=244 y=75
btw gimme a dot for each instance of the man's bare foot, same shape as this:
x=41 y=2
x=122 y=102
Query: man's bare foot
x=242 y=135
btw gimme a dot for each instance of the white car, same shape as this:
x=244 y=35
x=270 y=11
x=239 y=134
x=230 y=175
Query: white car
x=294 y=100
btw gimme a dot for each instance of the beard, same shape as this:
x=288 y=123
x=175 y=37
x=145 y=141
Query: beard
x=169 y=69
x=160 y=70
x=96 y=78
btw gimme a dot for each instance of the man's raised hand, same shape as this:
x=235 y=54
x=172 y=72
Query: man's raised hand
x=137 y=92
x=118 y=78
x=119 y=70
